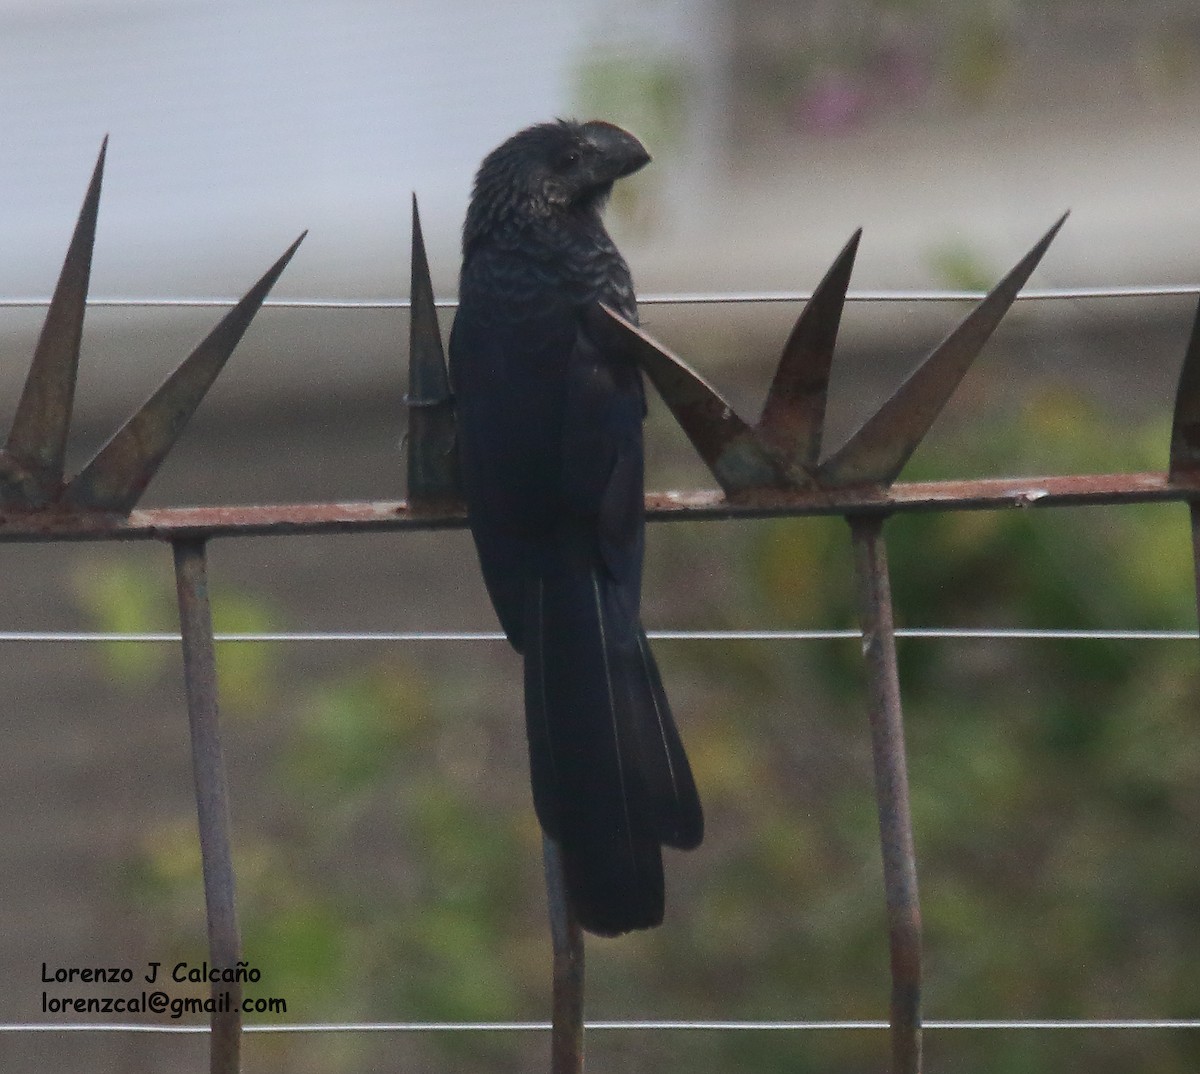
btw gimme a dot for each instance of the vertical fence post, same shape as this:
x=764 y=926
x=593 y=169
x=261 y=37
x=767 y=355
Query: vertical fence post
x=891 y=789
x=1194 y=512
x=566 y=937
x=212 y=797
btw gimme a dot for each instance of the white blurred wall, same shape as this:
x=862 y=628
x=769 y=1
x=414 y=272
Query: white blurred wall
x=235 y=125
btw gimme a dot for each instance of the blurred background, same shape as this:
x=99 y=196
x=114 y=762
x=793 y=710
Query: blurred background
x=388 y=859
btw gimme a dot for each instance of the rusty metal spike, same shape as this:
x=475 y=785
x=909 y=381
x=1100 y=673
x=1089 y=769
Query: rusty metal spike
x=1185 y=427
x=433 y=477
x=725 y=442
x=37 y=443
x=877 y=452
x=793 y=417
x=121 y=470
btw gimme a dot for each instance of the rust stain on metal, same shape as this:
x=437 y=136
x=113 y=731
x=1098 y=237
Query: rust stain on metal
x=433 y=476
x=793 y=416
x=58 y=522
x=982 y=494
x=877 y=452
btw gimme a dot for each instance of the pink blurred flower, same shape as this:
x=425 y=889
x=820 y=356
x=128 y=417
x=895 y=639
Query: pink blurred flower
x=832 y=102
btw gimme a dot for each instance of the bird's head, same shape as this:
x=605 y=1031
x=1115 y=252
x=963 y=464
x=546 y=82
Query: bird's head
x=552 y=168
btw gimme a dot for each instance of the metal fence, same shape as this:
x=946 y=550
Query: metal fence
x=773 y=467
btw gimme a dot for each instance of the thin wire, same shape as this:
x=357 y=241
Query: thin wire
x=1040 y=1024
x=684 y=298
x=1034 y=294
x=939 y=633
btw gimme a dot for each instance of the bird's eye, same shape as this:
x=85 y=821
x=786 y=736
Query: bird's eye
x=569 y=159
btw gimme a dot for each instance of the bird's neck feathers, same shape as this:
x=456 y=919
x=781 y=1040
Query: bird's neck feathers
x=534 y=223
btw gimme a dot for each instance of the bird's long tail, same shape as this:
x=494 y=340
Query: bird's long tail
x=611 y=782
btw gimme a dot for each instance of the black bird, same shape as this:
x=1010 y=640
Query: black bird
x=550 y=440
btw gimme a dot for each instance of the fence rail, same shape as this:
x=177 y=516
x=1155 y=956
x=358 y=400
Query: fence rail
x=664 y=298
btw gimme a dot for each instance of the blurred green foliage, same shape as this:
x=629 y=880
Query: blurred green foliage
x=391 y=870
x=958 y=265
x=119 y=596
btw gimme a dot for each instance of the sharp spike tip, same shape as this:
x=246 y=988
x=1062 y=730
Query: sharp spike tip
x=433 y=477
x=38 y=437
x=877 y=452
x=119 y=473
x=793 y=417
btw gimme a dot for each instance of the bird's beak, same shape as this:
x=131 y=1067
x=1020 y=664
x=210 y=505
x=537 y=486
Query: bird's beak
x=620 y=151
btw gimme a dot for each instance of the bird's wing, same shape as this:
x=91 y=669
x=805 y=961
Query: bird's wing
x=602 y=457
x=509 y=355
